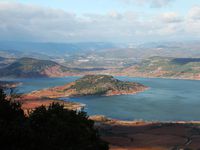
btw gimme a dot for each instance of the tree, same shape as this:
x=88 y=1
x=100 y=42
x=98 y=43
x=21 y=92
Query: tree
x=10 y=110
x=12 y=123
x=52 y=128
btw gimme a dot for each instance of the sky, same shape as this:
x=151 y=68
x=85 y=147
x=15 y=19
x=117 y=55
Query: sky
x=99 y=20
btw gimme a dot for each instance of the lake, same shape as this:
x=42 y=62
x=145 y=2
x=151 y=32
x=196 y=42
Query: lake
x=166 y=100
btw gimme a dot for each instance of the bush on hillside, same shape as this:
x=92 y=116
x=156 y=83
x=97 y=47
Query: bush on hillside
x=52 y=128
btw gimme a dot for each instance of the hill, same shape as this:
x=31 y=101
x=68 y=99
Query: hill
x=30 y=67
x=99 y=54
x=183 y=68
x=92 y=85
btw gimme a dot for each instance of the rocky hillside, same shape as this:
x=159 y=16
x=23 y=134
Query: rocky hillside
x=92 y=85
x=183 y=68
x=30 y=67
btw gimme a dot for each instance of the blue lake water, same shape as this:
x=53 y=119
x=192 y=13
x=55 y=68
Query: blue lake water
x=166 y=100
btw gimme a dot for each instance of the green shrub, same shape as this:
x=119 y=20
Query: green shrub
x=52 y=128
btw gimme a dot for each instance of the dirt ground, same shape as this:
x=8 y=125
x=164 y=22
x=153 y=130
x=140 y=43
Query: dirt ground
x=150 y=136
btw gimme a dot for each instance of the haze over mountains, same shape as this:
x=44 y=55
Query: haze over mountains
x=59 y=59
x=98 y=53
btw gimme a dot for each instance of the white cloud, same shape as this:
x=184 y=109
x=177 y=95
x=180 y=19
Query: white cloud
x=30 y=22
x=152 y=3
x=170 y=17
x=192 y=24
x=34 y=23
x=194 y=13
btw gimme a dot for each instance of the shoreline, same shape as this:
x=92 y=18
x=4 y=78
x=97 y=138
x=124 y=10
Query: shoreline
x=172 y=78
x=141 y=135
x=81 y=105
x=69 y=90
x=59 y=98
x=32 y=99
x=104 y=119
x=30 y=103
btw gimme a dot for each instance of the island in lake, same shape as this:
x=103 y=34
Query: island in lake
x=104 y=85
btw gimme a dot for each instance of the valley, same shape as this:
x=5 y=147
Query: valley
x=100 y=75
x=153 y=60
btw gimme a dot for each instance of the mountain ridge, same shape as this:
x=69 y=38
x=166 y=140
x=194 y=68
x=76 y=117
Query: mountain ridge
x=31 y=67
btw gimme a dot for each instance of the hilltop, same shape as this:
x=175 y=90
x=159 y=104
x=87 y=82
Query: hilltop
x=91 y=85
x=31 y=67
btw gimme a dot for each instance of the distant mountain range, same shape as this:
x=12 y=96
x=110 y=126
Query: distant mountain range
x=164 y=67
x=99 y=55
x=168 y=59
x=52 y=49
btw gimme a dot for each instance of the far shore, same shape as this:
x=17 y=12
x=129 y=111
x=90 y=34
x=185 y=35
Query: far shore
x=171 y=78
x=116 y=75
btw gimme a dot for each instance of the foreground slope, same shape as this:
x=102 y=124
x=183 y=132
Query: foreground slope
x=138 y=135
x=52 y=128
x=92 y=85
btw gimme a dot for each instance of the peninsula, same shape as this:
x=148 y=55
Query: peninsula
x=103 y=85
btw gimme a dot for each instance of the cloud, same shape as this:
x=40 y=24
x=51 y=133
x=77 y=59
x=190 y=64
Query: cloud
x=192 y=24
x=20 y=22
x=170 y=17
x=30 y=22
x=152 y=3
x=194 y=13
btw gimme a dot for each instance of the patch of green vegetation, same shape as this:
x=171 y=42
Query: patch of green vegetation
x=31 y=64
x=172 y=65
x=100 y=84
